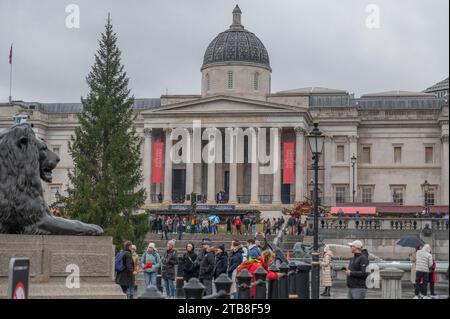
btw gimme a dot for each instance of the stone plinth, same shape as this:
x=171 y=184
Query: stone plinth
x=54 y=258
x=391 y=283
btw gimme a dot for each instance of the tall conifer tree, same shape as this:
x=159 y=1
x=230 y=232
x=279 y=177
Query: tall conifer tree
x=105 y=183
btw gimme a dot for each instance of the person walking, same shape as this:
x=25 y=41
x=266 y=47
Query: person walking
x=253 y=225
x=165 y=228
x=299 y=231
x=188 y=263
x=246 y=222
x=237 y=224
x=325 y=271
x=229 y=230
x=168 y=262
x=424 y=261
x=181 y=227
x=356 y=271
x=236 y=259
x=207 y=265
x=175 y=222
x=151 y=261
x=124 y=268
x=205 y=225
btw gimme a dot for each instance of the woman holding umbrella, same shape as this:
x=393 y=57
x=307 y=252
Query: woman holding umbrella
x=416 y=243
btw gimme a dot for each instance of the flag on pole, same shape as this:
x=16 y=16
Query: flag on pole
x=10 y=55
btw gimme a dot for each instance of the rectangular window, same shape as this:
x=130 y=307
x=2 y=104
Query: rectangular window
x=365 y=155
x=430 y=197
x=340 y=157
x=429 y=154
x=397 y=195
x=340 y=194
x=367 y=194
x=397 y=154
x=230 y=80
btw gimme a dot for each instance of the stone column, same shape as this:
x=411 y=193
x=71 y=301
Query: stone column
x=147 y=165
x=190 y=165
x=391 y=283
x=168 y=168
x=444 y=170
x=327 y=160
x=276 y=194
x=353 y=150
x=254 y=190
x=211 y=185
x=233 y=173
x=300 y=157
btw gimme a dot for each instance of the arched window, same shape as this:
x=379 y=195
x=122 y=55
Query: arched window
x=230 y=80
x=208 y=82
x=256 y=81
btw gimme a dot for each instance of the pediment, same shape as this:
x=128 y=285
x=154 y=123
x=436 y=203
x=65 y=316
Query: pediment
x=223 y=104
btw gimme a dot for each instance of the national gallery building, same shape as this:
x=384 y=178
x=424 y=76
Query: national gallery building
x=379 y=147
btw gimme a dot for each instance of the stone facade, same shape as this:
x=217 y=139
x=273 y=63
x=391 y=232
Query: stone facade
x=400 y=139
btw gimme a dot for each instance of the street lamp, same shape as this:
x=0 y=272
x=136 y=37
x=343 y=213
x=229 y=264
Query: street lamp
x=57 y=196
x=316 y=140
x=426 y=189
x=353 y=160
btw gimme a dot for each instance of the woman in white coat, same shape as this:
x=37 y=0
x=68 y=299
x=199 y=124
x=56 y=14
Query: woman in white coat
x=325 y=271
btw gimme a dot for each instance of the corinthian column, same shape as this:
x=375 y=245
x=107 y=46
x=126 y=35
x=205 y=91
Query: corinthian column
x=276 y=193
x=254 y=192
x=444 y=171
x=190 y=165
x=168 y=168
x=147 y=165
x=300 y=157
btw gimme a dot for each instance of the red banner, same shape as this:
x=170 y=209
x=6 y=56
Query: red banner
x=157 y=162
x=288 y=162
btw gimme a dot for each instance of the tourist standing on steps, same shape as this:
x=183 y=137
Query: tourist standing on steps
x=356 y=271
x=207 y=264
x=181 y=227
x=325 y=271
x=168 y=262
x=253 y=225
x=165 y=228
x=238 y=223
x=188 y=263
x=424 y=261
x=221 y=262
x=151 y=261
x=236 y=259
x=229 y=223
x=124 y=275
x=246 y=222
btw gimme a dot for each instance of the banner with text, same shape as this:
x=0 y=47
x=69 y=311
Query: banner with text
x=288 y=162
x=157 y=162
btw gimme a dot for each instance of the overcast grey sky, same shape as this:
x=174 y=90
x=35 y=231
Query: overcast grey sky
x=310 y=43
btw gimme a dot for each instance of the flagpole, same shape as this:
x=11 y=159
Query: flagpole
x=10 y=75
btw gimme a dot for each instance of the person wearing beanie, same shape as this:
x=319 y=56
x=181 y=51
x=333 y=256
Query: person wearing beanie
x=236 y=259
x=188 y=263
x=151 y=261
x=206 y=266
x=221 y=261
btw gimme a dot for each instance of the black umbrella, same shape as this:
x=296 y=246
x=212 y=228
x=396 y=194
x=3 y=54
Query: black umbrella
x=411 y=241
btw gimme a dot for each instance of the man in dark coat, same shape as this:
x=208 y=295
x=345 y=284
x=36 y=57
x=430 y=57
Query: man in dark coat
x=356 y=271
x=236 y=257
x=125 y=278
x=168 y=262
x=207 y=263
x=221 y=261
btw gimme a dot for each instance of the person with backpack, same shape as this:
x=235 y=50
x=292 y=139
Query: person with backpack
x=168 y=262
x=356 y=271
x=187 y=264
x=151 y=261
x=124 y=268
x=207 y=264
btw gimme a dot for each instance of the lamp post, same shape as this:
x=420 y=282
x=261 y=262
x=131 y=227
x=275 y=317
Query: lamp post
x=353 y=160
x=316 y=140
x=426 y=189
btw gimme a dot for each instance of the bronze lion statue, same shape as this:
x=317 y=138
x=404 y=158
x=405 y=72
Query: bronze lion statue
x=24 y=161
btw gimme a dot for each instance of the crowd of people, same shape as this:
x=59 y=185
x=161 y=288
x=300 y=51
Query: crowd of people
x=207 y=264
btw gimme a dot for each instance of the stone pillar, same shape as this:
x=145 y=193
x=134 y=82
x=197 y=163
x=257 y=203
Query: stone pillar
x=147 y=165
x=168 y=168
x=211 y=185
x=444 y=171
x=276 y=194
x=190 y=165
x=353 y=150
x=391 y=283
x=300 y=157
x=254 y=190
x=327 y=160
